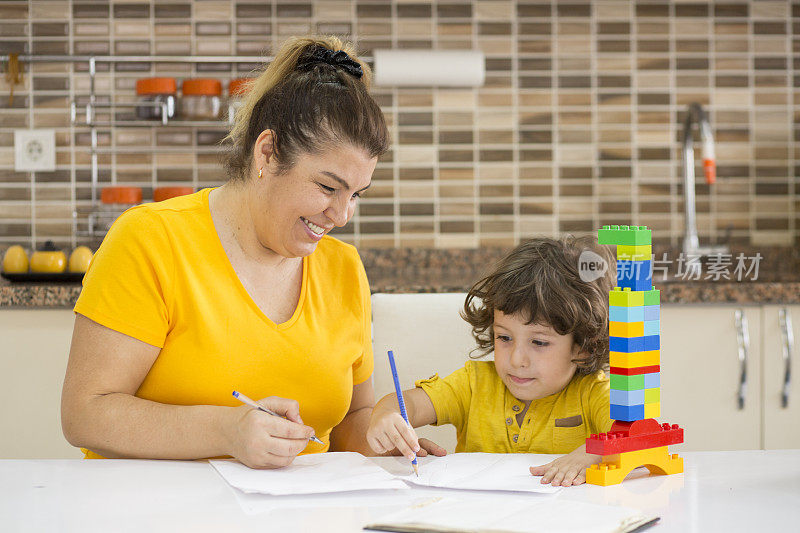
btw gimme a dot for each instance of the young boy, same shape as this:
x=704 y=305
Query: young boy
x=546 y=390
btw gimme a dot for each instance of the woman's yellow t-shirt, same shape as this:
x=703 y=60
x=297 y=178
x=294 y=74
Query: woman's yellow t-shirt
x=162 y=276
x=476 y=401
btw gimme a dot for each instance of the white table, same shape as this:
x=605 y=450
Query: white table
x=719 y=491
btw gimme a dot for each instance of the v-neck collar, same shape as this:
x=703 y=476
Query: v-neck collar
x=238 y=282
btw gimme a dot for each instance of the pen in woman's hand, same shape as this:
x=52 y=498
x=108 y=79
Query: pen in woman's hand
x=245 y=400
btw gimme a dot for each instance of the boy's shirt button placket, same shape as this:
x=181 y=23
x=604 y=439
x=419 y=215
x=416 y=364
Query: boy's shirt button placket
x=516 y=408
x=509 y=421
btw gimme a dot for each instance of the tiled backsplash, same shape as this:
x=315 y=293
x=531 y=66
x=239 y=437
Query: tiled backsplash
x=578 y=123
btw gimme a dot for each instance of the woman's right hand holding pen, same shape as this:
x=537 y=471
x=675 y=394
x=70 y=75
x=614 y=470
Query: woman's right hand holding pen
x=388 y=431
x=260 y=440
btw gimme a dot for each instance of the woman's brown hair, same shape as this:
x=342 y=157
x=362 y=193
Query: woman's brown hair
x=309 y=105
x=540 y=280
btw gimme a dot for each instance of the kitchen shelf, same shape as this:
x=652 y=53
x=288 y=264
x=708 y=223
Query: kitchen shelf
x=163 y=149
x=154 y=124
x=96 y=219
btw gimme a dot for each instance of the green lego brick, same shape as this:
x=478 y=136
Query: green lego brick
x=643 y=252
x=625 y=298
x=621 y=382
x=652 y=395
x=625 y=235
x=652 y=297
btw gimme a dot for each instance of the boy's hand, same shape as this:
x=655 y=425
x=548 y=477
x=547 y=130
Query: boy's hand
x=388 y=430
x=427 y=446
x=567 y=470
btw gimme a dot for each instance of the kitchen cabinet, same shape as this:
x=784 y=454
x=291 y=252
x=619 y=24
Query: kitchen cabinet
x=34 y=348
x=704 y=352
x=780 y=402
x=724 y=375
x=703 y=348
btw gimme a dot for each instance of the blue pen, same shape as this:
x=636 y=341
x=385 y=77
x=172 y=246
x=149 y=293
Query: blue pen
x=401 y=402
x=245 y=400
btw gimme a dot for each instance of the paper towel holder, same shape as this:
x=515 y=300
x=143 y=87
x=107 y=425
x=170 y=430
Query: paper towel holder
x=425 y=68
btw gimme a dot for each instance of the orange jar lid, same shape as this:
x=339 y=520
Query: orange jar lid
x=201 y=87
x=239 y=86
x=164 y=193
x=156 y=86
x=121 y=195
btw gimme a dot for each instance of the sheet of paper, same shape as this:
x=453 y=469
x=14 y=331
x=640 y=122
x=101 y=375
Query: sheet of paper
x=480 y=471
x=252 y=503
x=310 y=474
x=515 y=513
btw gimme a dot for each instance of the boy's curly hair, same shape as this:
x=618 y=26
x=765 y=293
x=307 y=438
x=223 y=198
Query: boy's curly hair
x=540 y=280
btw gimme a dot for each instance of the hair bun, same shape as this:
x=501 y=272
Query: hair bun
x=339 y=59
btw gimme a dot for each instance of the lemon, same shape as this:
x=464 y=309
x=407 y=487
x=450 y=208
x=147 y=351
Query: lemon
x=15 y=260
x=79 y=259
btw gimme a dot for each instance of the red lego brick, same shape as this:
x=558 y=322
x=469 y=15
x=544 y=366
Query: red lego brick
x=633 y=371
x=631 y=436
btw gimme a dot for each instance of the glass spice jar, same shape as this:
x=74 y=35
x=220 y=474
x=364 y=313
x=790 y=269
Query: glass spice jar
x=155 y=95
x=201 y=99
x=237 y=88
x=114 y=201
x=165 y=193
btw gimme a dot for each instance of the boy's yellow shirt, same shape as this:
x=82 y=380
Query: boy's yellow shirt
x=476 y=401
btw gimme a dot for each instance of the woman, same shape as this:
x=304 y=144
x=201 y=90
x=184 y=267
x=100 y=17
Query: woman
x=239 y=288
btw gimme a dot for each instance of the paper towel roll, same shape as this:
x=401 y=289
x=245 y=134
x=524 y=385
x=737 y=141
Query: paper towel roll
x=445 y=68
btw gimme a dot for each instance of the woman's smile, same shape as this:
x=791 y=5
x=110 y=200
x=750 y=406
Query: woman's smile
x=316 y=231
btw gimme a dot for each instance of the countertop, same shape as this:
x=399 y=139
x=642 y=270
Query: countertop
x=750 y=276
x=719 y=491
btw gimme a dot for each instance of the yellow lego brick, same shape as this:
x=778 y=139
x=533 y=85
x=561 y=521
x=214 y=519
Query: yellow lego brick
x=613 y=469
x=634 y=359
x=626 y=329
x=625 y=297
x=652 y=396
x=652 y=410
x=635 y=253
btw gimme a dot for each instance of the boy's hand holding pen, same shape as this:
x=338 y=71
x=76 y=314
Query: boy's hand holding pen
x=389 y=430
x=391 y=427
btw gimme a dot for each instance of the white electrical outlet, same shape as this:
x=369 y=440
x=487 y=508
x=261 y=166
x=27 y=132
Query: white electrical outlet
x=34 y=150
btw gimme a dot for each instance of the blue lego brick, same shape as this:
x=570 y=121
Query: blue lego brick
x=626 y=314
x=634 y=270
x=651 y=342
x=624 y=235
x=627 y=413
x=652 y=380
x=652 y=312
x=636 y=284
x=636 y=275
x=626 y=344
x=627 y=397
x=652 y=327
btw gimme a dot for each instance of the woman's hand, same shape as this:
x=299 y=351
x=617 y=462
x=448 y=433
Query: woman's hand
x=567 y=470
x=260 y=440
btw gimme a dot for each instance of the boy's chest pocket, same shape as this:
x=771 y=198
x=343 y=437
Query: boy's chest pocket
x=568 y=434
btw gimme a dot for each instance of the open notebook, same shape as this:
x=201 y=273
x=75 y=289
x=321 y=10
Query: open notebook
x=516 y=514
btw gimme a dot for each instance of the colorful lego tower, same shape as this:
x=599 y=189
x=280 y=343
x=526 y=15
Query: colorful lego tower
x=636 y=438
